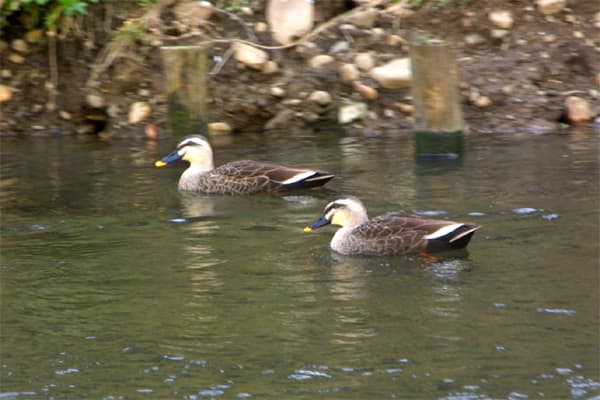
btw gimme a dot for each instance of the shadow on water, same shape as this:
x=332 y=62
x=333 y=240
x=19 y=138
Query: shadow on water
x=113 y=284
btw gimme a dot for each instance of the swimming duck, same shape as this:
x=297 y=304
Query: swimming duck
x=390 y=234
x=237 y=177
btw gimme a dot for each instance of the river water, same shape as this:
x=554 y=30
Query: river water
x=114 y=285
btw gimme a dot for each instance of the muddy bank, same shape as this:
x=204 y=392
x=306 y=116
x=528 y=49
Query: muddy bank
x=515 y=75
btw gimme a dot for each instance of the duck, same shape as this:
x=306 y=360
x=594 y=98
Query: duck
x=236 y=177
x=391 y=234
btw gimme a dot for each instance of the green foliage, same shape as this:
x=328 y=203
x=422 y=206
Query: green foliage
x=50 y=13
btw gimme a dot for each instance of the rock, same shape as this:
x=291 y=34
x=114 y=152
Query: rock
x=277 y=91
x=261 y=27
x=251 y=57
x=289 y=19
x=396 y=40
x=597 y=20
x=577 y=110
x=548 y=7
x=94 y=100
x=364 y=61
x=351 y=112
x=19 y=45
x=320 y=97
x=139 y=111
x=366 y=91
x=34 y=36
x=3 y=46
x=348 y=73
x=5 y=93
x=219 y=128
x=320 y=60
x=247 y=11
x=364 y=19
x=270 y=67
x=501 y=19
x=393 y=75
x=16 y=58
x=6 y=73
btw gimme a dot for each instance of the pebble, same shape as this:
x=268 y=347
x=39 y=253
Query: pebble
x=34 y=36
x=597 y=20
x=501 y=19
x=6 y=73
x=139 y=111
x=270 y=67
x=339 y=47
x=5 y=93
x=219 y=128
x=366 y=91
x=251 y=57
x=320 y=97
x=277 y=91
x=482 y=101
x=350 y=112
x=94 y=100
x=498 y=33
x=261 y=27
x=320 y=60
x=19 y=45
x=548 y=7
x=474 y=38
x=65 y=115
x=404 y=107
x=395 y=40
x=348 y=73
x=16 y=58
x=364 y=61
x=393 y=75
x=578 y=110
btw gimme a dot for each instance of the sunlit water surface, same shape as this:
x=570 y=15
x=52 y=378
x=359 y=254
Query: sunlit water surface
x=114 y=285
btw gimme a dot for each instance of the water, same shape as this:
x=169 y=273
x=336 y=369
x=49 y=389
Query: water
x=114 y=285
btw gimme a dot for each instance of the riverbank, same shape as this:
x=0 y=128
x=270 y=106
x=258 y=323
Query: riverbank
x=516 y=73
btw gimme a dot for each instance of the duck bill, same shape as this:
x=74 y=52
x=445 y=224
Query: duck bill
x=174 y=156
x=317 y=224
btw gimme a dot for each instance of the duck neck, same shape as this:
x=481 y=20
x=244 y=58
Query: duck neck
x=189 y=176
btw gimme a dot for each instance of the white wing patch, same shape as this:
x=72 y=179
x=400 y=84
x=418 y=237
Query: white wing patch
x=443 y=231
x=298 y=177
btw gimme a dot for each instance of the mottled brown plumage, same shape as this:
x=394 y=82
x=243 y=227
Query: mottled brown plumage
x=390 y=234
x=237 y=177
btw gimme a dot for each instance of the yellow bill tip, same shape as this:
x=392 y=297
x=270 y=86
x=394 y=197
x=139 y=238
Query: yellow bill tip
x=308 y=229
x=160 y=163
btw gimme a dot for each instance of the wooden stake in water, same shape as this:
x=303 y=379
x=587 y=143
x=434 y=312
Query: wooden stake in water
x=436 y=97
x=185 y=81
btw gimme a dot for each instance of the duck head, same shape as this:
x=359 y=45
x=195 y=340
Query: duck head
x=194 y=149
x=344 y=211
